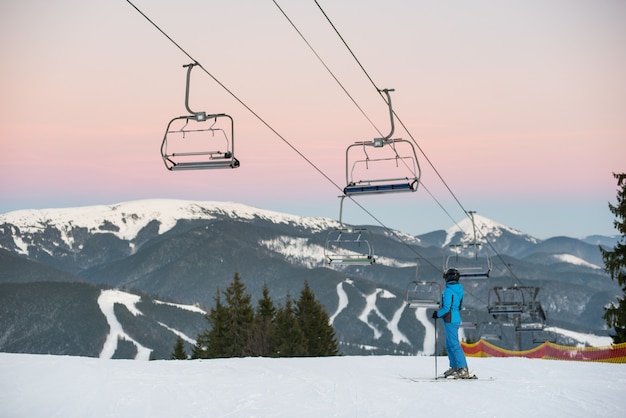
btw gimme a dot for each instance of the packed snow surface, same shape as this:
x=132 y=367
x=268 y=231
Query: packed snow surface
x=369 y=386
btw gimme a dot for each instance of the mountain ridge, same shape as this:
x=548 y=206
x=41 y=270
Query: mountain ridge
x=184 y=251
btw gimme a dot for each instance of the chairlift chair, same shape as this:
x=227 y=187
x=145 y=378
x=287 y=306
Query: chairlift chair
x=470 y=259
x=385 y=165
x=423 y=294
x=348 y=245
x=199 y=140
x=517 y=300
x=468 y=319
x=534 y=317
x=543 y=335
x=505 y=301
x=491 y=331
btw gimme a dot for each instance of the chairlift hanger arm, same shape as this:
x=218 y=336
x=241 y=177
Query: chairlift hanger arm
x=378 y=142
x=200 y=116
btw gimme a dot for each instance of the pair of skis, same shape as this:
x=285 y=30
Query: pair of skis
x=472 y=376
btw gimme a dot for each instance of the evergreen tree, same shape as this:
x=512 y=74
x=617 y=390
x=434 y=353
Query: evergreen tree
x=216 y=342
x=289 y=338
x=261 y=339
x=179 y=350
x=615 y=264
x=240 y=317
x=315 y=323
x=199 y=349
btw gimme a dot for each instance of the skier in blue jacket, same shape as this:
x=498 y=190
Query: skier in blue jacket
x=451 y=303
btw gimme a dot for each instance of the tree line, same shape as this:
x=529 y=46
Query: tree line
x=615 y=264
x=299 y=328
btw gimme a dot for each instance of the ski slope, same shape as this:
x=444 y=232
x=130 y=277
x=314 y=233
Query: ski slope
x=368 y=386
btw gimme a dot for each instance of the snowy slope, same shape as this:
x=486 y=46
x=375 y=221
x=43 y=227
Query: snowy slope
x=368 y=386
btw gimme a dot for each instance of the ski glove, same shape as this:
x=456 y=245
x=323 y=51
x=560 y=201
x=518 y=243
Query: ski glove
x=435 y=315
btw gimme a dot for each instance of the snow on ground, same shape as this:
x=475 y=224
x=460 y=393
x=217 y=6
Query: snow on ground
x=368 y=386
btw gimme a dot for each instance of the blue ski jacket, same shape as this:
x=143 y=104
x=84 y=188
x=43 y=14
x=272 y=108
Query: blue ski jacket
x=451 y=302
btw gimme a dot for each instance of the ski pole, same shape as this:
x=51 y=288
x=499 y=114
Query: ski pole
x=436 y=375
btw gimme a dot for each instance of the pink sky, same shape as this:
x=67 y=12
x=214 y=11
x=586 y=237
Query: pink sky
x=519 y=105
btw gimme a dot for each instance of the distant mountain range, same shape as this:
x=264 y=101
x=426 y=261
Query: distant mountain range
x=55 y=263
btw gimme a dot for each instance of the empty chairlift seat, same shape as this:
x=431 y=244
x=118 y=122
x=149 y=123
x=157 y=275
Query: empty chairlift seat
x=349 y=246
x=423 y=294
x=382 y=165
x=192 y=144
x=199 y=141
x=389 y=168
x=472 y=260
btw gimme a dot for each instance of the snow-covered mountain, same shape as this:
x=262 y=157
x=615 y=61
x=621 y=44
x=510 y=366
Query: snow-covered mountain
x=183 y=251
x=480 y=228
x=127 y=220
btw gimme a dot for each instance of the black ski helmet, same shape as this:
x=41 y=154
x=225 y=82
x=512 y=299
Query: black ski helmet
x=452 y=275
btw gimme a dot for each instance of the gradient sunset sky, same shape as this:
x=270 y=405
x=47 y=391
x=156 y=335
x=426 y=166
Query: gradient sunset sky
x=519 y=105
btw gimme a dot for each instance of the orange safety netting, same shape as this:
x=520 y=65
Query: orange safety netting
x=610 y=354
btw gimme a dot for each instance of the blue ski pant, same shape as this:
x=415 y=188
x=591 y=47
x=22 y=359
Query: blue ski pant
x=453 y=345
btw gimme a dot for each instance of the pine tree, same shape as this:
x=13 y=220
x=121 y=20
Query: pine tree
x=220 y=339
x=216 y=341
x=179 y=350
x=289 y=338
x=261 y=338
x=615 y=264
x=199 y=349
x=315 y=323
x=240 y=317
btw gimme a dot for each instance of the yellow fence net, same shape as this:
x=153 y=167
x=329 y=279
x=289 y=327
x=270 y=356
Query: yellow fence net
x=611 y=354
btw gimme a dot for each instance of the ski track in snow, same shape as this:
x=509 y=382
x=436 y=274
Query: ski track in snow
x=421 y=314
x=178 y=333
x=343 y=302
x=428 y=348
x=107 y=301
x=370 y=306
